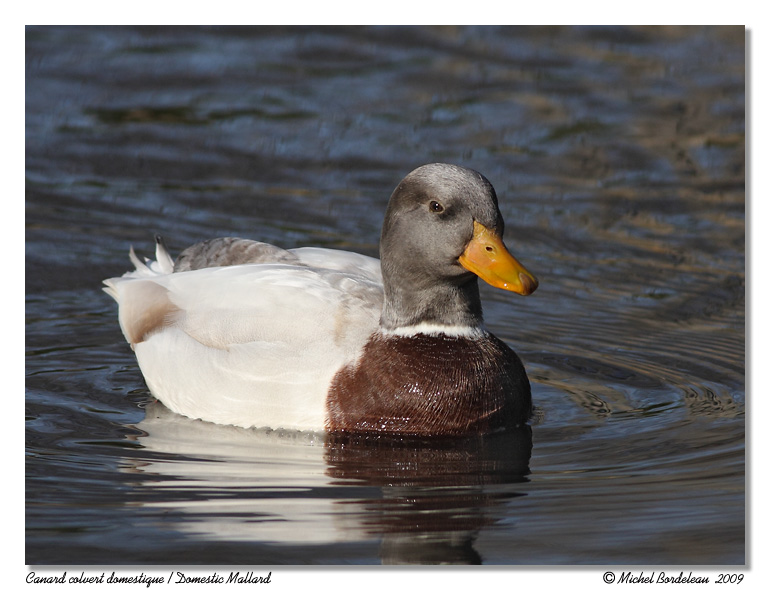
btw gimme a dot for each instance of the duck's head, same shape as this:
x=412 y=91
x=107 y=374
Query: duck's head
x=442 y=230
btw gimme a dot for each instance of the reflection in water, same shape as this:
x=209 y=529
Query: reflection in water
x=424 y=500
x=435 y=494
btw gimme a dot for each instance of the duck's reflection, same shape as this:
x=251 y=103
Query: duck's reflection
x=436 y=494
x=424 y=501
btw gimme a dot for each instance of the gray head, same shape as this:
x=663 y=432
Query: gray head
x=442 y=229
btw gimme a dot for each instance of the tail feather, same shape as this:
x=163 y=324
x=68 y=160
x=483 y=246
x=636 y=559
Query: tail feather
x=111 y=289
x=163 y=265
x=162 y=257
x=140 y=266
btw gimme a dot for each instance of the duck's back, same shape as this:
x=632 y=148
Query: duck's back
x=251 y=344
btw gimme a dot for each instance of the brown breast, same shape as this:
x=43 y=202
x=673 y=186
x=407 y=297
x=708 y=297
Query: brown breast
x=430 y=385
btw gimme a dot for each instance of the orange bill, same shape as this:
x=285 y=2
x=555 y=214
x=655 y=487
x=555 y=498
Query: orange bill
x=487 y=256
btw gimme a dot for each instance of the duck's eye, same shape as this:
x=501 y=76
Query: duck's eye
x=436 y=207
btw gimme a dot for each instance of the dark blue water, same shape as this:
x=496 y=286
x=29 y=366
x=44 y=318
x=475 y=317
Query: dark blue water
x=618 y=155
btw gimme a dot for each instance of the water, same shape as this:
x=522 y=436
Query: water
x=618 y=156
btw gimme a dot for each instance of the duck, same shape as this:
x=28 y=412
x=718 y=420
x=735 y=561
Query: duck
x=244 y=333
